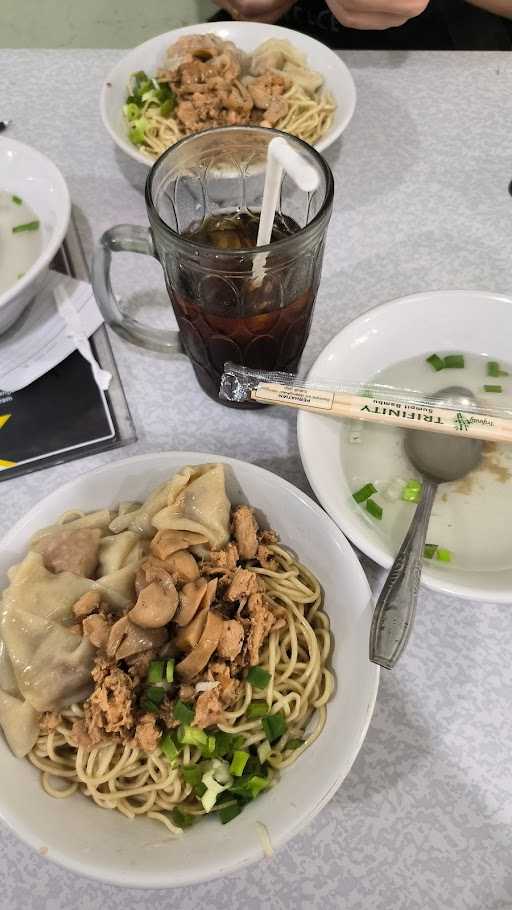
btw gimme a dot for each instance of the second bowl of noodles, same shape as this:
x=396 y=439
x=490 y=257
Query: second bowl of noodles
x=221 y=74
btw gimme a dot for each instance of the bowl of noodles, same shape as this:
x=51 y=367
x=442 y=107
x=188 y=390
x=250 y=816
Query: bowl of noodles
x=221 y=74
x=184 y=673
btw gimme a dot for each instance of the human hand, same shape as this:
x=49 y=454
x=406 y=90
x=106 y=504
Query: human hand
x=256 y=10
x=375 y=14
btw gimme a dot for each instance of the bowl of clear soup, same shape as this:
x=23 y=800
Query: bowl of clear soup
x=34 y=217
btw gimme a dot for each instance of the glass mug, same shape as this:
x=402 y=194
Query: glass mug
x=232 y=302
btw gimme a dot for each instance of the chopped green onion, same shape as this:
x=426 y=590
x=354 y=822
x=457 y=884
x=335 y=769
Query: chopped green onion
x=216 y=779
x=454 y=362
x=168 y=747
x=208 y=750
x=200 y=789
x=374 y=509
x=191 y=774
x=155 y=671
x=17 y=200
x=238 y=763
x=258 y=677
x=137 y=130
x=264 y=751
x=28 y=226
x=493 y=388
x=169 y=670
x=274 y=726
x=192 y=736
x=364 y=493
x=257 y=709
x=183 y=712
x=443 y=555
x=412 y=491
x=429 y=550
x=250 y=787
x=436 y=362
x=294 y=744
x=229 y=813
x=155 y=694
x=493 y=369
x=254 y=766
x=182 y=819
x=167 y=107
x=148 y=705
x=164 y=92
x=223 y=744
x=131 y=111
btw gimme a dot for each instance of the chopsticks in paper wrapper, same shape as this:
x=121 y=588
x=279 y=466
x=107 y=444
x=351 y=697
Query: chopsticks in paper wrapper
x=371 y=402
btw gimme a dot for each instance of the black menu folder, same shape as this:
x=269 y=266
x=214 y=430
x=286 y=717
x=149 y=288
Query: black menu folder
x=64 y=415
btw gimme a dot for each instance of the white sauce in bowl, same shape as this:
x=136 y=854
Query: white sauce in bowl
x=470 y=516
x=19 y=249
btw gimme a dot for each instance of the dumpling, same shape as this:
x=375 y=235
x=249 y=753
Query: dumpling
x=100 y=519
x=197 y=502
x=51 y=663
x=118 y=550
x=19 y=722
x=139 y=519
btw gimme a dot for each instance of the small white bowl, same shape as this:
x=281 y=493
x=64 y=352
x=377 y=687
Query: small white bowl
x=247 y=36
x=104 y=845
x=27 y=173
x=471 y=321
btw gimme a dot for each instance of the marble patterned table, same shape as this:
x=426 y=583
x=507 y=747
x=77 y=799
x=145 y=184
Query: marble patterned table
x=423 y=821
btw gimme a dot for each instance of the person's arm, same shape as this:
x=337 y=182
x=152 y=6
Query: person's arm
x=498 y=7
x=256 y=10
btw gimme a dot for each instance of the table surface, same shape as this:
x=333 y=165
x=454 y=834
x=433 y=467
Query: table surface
x=423 y=819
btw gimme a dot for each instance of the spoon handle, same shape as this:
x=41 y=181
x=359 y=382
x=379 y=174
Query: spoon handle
x=394 y=613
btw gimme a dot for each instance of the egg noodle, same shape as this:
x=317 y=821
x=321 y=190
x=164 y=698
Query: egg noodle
x=135 y=782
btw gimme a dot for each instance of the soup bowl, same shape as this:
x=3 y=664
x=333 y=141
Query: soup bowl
x=473 y=322
x=141 y=853
x=27 y=173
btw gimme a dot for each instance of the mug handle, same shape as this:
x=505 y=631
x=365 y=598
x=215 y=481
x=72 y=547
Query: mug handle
x=128 y=238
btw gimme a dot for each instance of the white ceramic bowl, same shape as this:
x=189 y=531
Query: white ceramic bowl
x=106 y=846
x=471 y=321
x=247 y=36
x=27 y=173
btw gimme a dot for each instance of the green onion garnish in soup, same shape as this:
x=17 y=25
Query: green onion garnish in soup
x=493 y=388
x=258 y=677
x=17 y=200
x=364 y=493
x=429 y=550
x=494 y=369
x=374 y=509
x=28 y=226
x=412 y=491
x=436 y=362
x=454 y=362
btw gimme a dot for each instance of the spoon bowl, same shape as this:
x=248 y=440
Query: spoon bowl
x=443 y=458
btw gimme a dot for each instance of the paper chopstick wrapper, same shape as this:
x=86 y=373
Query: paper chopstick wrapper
x=392 y=407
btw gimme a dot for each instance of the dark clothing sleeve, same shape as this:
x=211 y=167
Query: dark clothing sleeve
x=444 y=25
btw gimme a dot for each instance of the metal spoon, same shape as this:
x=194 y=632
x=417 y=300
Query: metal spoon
x=440 y=459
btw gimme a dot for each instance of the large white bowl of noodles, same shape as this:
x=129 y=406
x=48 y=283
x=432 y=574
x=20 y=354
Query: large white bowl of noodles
x=247 y=36
x=77 y=834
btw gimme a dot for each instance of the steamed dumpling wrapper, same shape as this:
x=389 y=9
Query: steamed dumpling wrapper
x=119 y=550
x=20 y=723
x=52 y=665
x=99 y=519
x=197 y=502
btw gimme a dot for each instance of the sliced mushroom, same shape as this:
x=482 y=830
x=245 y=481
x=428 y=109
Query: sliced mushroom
x=167 y=542
x=191 y=595
x=126 y=639
x=188 y=637
x=155 y=606
x=96 y=629
x=196 y=661
x=183 y=565
x=211 y=590
x=153 y=569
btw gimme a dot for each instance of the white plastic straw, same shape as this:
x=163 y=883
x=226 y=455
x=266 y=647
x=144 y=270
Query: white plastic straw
x=281 y=156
